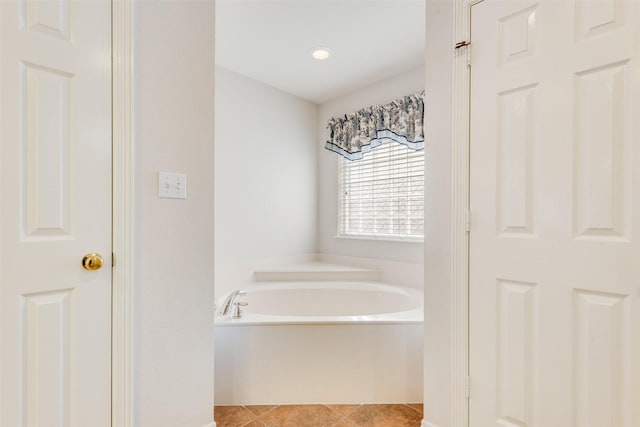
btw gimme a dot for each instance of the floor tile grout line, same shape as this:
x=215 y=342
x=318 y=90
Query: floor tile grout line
x=259 y=417
x=357 y=406
x=411 y=407
x=344 y=418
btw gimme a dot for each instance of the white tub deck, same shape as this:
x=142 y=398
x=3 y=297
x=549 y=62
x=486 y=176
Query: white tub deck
x=326 y=302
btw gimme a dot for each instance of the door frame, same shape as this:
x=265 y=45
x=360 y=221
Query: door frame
x=122 y=215
x=460 y=190
x=123 y=205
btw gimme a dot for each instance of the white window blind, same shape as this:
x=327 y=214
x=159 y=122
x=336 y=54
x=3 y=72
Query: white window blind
x=382 y=195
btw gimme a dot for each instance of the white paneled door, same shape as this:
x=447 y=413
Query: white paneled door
x=555 y=214
x=55 y=195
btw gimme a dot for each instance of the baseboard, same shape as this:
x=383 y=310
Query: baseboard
x=426 y=423
x=211 y=424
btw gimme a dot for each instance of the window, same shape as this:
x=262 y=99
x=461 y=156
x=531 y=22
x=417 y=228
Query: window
x=382 y=195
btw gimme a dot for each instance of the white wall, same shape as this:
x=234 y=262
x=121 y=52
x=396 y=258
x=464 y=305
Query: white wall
x=378 y=93
x=437 y=239
x=265 y=172
x=173 y=131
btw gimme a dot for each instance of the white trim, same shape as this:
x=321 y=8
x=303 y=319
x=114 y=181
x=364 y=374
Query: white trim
x=426 y=423
x=380 y=238
x=459 y=208
x=122 y=245
x=211 y=424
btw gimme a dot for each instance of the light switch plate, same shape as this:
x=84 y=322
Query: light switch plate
x=172 y=185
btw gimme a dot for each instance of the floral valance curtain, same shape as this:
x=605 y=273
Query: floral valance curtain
x=357 y=133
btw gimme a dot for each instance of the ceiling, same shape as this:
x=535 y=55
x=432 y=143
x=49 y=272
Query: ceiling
x=271 y=41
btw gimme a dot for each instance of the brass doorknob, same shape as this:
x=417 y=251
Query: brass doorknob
x=92 y=261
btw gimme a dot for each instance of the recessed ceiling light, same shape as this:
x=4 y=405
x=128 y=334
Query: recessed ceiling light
x=321 y=53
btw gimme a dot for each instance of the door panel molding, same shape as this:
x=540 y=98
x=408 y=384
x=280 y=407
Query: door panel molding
x=123 y=203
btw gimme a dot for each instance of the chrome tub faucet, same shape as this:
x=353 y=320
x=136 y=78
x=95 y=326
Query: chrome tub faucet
x=232 y=305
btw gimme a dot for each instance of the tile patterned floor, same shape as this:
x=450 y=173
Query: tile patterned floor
x=391 y=415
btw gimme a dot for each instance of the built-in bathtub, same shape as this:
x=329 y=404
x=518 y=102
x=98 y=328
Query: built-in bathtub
x=321 y=342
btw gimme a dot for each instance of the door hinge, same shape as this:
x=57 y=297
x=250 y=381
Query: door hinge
x=113 y=260
x=467 y=221
x=467 y=387
x=467 y=46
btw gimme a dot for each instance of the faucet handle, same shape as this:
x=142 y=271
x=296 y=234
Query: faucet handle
x=237 y=310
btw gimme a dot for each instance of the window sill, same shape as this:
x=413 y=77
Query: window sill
x=382 y=238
